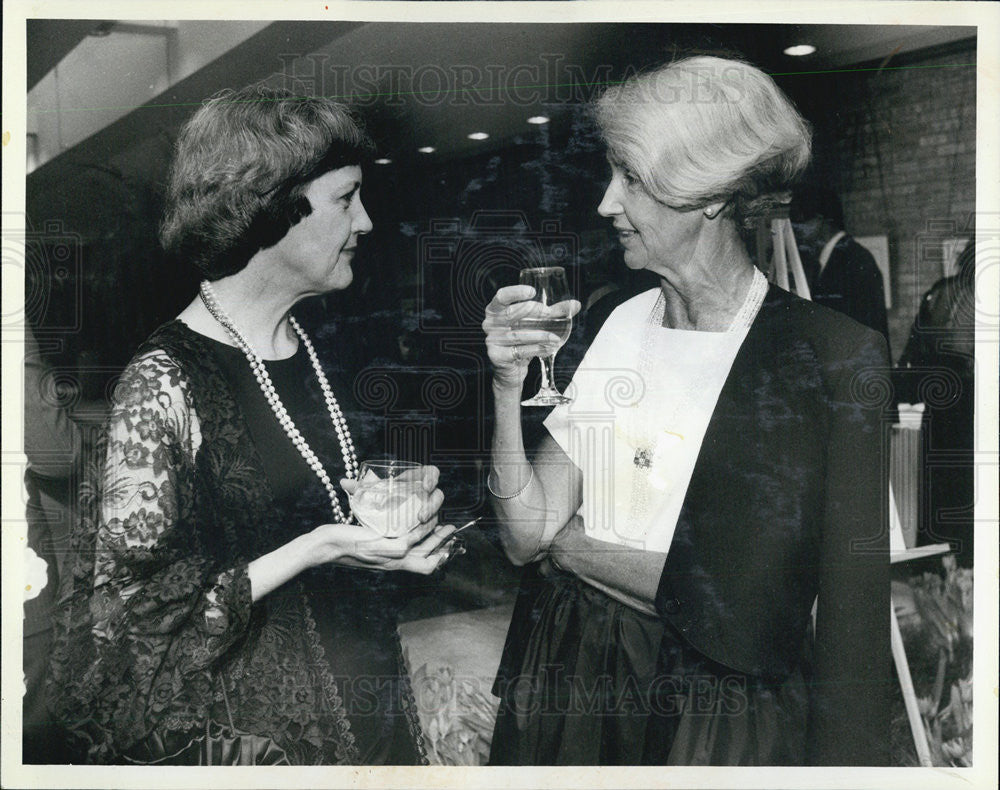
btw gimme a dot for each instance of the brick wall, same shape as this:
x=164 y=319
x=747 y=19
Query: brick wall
x=900 y=147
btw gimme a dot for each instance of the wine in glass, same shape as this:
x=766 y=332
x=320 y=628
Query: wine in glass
x=550 y=287
x=389 y=496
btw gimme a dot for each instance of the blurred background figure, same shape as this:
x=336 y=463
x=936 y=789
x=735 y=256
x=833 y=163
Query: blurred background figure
x=943 y=340
x=52 y=443
x=842 y=274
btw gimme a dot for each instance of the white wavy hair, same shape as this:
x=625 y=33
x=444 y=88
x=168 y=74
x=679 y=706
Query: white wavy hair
x=706 y=129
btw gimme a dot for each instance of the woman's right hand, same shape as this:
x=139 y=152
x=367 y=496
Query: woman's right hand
x=422 y=550
x=510 y=350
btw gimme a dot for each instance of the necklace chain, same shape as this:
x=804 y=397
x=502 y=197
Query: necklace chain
x=742 y=320
x=284 y=419
x=642 y=431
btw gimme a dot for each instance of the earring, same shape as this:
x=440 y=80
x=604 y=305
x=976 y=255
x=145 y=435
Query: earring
x=710 y=213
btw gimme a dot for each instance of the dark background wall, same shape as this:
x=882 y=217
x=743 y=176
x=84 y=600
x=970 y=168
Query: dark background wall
x=899 y=145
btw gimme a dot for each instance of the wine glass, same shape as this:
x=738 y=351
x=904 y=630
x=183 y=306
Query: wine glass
x=389 y=496
x=550 y=287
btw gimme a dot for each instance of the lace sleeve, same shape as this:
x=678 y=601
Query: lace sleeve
x=142 y=548
x=151 y=607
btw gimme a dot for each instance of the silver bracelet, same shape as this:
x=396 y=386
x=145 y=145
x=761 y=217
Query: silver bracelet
x=517 y=493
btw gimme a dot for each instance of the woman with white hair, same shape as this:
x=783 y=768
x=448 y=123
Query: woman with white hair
x=718 y=472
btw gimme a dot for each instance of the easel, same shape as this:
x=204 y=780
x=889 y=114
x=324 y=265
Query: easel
x=899 y=553
x=785 y=262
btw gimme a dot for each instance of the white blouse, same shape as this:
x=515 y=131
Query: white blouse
x=642 y=400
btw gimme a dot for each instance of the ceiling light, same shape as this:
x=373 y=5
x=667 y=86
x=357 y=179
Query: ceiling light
x=427 y=149
x=383 y=161
x=538 y=119
x=478 y=136
x=800 y=49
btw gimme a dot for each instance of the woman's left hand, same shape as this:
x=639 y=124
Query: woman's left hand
x=435 y=497
x=629 y=575
x=425 y=548
x=567 y=544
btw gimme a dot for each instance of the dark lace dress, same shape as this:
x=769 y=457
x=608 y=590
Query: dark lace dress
x=157 y=635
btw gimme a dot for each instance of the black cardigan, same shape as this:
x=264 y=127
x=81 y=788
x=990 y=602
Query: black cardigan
x=788 y=501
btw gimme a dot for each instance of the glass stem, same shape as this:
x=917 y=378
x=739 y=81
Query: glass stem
x=548 y=374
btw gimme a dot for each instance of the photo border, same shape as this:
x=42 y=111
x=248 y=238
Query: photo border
x=984 y=773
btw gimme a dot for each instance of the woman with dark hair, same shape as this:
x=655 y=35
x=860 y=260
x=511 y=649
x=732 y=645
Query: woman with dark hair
x=222 y=608
x=718 y=471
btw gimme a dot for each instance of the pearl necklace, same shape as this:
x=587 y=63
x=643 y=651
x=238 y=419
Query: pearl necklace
x=284 y=419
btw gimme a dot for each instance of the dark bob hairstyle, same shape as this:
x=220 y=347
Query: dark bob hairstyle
x=240 y=168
